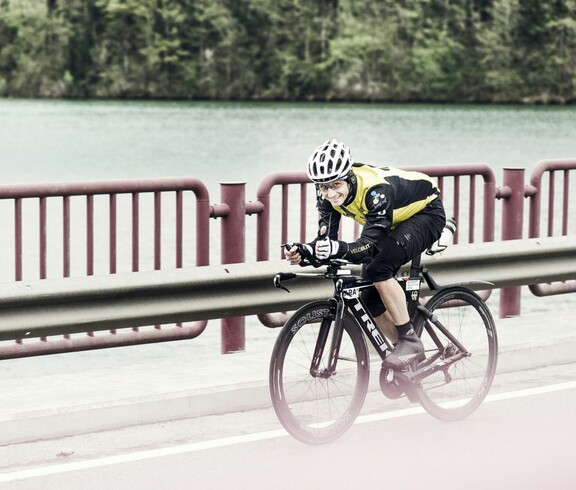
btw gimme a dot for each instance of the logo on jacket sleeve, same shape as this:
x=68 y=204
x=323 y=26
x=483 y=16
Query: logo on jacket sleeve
x=379 y=200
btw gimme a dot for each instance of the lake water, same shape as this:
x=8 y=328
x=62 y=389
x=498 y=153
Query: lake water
x=45 y=141
x=54 y=141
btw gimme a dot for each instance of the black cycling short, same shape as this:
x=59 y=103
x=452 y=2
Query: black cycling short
x=407 y=240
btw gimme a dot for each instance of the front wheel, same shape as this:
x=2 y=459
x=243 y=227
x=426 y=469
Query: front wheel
x=460 y=378
x=318 y=405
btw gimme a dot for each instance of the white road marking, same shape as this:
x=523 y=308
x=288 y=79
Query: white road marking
x=231 y=441
x=540 y=390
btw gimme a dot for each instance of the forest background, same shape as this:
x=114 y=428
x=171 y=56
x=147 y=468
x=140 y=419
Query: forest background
x=355 y=50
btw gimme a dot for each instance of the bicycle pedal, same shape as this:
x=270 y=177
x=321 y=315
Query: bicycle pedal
x=403 y=384
x=390 y=387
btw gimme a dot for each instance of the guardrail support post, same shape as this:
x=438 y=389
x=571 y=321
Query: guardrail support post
x=232 y=251
x=512 y=218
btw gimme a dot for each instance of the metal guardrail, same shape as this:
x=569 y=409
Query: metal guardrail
x=114 y=227
x=102 y=219
x=558 y=188
x=68 y=306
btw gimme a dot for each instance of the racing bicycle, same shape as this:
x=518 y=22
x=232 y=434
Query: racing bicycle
x=320 y=364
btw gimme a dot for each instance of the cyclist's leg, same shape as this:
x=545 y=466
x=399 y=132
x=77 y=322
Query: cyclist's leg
x=383 y=319
x=386 y=325
x=381 y=271
x=391 y=292
x=388 y=297
x=409 y=239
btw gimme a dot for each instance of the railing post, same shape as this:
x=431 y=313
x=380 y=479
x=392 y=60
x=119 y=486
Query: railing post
x=512 y=218
x=232 y=251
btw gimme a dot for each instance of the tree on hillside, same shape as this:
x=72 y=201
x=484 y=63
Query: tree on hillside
x=396 y=50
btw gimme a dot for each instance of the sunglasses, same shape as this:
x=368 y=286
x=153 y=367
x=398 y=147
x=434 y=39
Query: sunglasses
x=324 y=188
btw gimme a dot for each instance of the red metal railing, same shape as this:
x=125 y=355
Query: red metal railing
x=135 y=216
x=465 y=203
x=561 y=182
x=471 y=205
x=65 y=192
x=128 y=221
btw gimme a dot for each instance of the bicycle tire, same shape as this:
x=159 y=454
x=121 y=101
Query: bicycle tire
x=317 y=410
x=458 y=389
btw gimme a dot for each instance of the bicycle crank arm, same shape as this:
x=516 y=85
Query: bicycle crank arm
x=440 y=365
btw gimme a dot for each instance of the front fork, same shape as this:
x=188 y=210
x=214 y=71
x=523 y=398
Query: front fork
x=337 y=327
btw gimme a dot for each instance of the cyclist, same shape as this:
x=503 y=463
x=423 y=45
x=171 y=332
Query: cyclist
x=402 y=216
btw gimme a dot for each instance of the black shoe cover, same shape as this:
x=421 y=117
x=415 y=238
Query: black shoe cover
x=409 y=348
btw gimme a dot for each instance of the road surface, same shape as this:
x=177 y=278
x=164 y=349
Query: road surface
x=522 y=437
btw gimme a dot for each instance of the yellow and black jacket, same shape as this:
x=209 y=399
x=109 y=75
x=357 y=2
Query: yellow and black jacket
x=379 y=199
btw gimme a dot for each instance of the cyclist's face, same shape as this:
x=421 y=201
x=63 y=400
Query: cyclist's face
x=335 y=192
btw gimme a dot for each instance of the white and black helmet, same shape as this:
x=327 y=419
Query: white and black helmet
x=330 y=161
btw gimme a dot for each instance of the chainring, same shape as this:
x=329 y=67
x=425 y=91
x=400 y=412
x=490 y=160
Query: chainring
x=391 y=389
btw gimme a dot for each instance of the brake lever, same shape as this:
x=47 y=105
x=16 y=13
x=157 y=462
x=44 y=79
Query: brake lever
x=282 y=276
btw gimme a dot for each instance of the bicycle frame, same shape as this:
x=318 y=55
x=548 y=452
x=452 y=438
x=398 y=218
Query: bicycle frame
x=347 y=296
x=320 y=364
